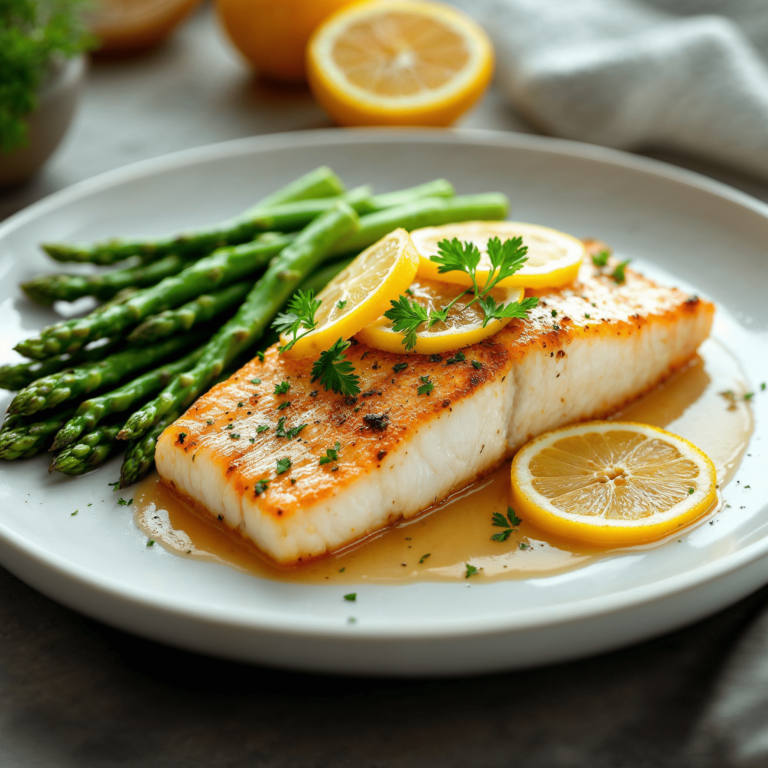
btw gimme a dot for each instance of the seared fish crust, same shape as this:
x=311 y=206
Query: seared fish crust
x=584 y=352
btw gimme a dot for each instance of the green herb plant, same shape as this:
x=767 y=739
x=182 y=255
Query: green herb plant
x=34 y=35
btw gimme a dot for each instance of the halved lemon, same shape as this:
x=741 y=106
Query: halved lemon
x=464 y=325
x=360 y=293
x=612 y=483
x=554 y=258
x=398 y=62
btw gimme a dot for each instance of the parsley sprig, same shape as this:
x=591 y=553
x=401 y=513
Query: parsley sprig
x=335 y=372
x=507 y=258
x=501 y=522
x=300 y=316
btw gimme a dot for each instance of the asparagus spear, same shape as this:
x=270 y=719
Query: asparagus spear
x=191 y=314
x=428 y=212
x=319 y=183
x=26 y=438
x=284 y=274
x=46 y=289
x=292 y=216
x=223 y=266
x=68 y=385
x=140 y=454
x=92 y=411
x=89 y=452
x=20 y=375
x=436 y=188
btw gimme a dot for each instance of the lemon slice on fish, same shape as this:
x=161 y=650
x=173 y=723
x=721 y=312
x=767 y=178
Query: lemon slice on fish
x=554 y=258
x=612 y=483
x=359 y=294
x=463 y=326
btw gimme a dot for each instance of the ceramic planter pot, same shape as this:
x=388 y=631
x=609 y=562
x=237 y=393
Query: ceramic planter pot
x=58 y=97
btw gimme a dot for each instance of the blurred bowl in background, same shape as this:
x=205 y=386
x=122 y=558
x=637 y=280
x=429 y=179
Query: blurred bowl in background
x=272 y=34
x=128 y=26
x=57 y=100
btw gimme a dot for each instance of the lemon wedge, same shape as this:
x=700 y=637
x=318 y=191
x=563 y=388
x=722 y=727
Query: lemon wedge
x=554 y=258
x=398 y=62
x=360 y=293
x=463 y=326
x=612 y=483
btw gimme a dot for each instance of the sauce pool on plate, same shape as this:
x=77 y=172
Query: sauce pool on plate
x=437 y=545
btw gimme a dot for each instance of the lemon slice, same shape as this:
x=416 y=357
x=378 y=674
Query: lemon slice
x=554 y=258
x=360 y=293
x=398 y=62
x=463 y=328
x=612 y=483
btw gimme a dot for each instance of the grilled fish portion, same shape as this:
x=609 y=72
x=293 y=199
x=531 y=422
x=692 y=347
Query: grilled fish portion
x=260 y=461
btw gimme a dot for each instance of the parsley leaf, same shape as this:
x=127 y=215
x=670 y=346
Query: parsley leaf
x=351 y=597
x=262 y=428
x=426 y=387
x=407 y=316
x=601 y=259
x=335 y=372
x=260 y=355
x=283 y=405
x=503 y=536
x=302 y=309
x=494 y=311
x=397 y=367
x=282 y=388
x=501 y=522
x=123 y=503
x=283 y=465
x=260 y=487
x=477 y=365
x=424 y=557
x=459 y=357
x=471 y=570
x=341 y=304
x=618 y=273
x=507 y=258
x=456 y=256
x=331 y=454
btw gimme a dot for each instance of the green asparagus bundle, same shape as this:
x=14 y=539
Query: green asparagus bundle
x=269 y=293
x=20 y=375
x=89 y=452
x=319 y=183
x=94 y=410
x=25 y=438
x=220 y=268
x=46 y=289
x=190 y=315
x=77 y=382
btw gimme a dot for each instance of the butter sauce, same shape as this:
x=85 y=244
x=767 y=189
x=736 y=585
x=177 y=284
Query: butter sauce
x=436 y=545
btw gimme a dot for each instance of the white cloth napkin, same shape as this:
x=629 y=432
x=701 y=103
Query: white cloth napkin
x=682 y=75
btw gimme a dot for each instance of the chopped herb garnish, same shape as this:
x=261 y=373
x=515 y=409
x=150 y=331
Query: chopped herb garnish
x=182 y=436
x=234 y=436
x=554 y=313
x=300 y=316
x=477 y=365
x=459 y=357
x=509 y=523
x=209 y=421
x=262 y=428
x=397 y=367
x=255 y=381
x=409 y=291
x=426 y=387
x=282 y=388
x=151 y=543
x=587 y=315
x=230 y=425
x=282 y=405
x=74 y=513
x=283 y=465
x=690 y=491
x=749 y=395
x=601 y=259
x=260 y=355
x=618 y=273
x=424 y=557
x=123 y=503
x=341 y=570
x=762 y=387
x=260 y=487
x=335 y=372
x=523 y=545
x=294 y=431
x=341 y=304
x=351 y=597
x=471 y=570
x=331 y=454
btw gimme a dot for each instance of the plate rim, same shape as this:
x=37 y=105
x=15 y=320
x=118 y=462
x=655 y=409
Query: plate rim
x=329 y=627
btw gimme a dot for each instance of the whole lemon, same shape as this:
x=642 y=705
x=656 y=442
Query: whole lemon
x=273 y=34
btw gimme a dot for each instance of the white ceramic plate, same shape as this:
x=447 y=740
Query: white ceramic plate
x=701 y=233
